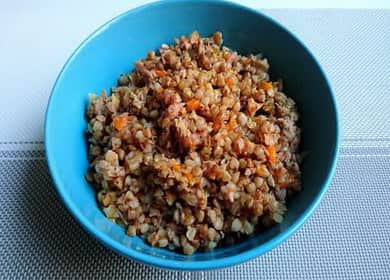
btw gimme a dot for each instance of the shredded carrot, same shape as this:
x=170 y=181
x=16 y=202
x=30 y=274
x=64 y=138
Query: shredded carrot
x=193 y=104
x=176 y=166
x=266 y=85
x=232 y=124
x=119 y=122
x=271 y=153
x=229 y=82
x=189 y=177
x=278 y=173
x=160 y=73
x=217 y=124
x=252 y=107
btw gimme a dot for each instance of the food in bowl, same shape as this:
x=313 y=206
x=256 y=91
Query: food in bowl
x=196 y=148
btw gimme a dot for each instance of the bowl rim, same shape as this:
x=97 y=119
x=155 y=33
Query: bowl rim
x=176 y=264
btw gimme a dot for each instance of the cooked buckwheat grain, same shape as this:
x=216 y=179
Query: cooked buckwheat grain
x=194 y=146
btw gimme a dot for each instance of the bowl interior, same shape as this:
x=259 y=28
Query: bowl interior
x=114 y=48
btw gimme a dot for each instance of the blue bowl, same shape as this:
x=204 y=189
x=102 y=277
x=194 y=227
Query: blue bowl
x=113 y=49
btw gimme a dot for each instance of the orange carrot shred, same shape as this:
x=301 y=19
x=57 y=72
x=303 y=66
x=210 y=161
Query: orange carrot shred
x=266 y=85
x=232 y=124
x=217 y=125
x=189 y=177
x=193 y=104
x=229 y=82
x=271 y=153
x=160 y=73
x=176 y=166
x=119 y=122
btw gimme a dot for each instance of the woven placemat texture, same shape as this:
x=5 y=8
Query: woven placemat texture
x=347 y=237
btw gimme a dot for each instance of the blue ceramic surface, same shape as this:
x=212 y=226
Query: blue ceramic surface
x=113 y=49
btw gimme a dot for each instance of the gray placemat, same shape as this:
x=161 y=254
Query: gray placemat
x=347 y=237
